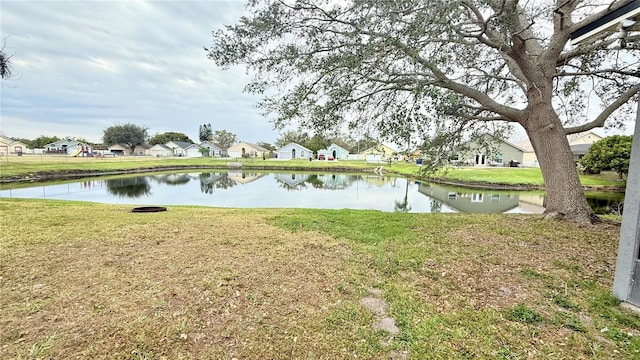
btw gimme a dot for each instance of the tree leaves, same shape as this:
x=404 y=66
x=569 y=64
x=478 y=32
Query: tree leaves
x=610 y=153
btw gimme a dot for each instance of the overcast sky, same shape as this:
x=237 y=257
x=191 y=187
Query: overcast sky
x=82 y=66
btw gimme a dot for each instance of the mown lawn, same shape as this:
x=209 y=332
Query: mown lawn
x=82 y=280
x=11 y=166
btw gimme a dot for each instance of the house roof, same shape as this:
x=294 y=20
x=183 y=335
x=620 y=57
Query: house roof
x=292 y=144
x=210 y=144
x=65 y=142
x=163 y=146
x=182 y=144
x=525 y=144
x=254 y=146
x=145 y=146
x=574 y=137
x=9 y=141
x=580 y=149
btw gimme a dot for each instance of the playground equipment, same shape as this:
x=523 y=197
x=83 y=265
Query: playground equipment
x=77 y=152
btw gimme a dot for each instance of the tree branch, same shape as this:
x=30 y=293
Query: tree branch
x=600 y=119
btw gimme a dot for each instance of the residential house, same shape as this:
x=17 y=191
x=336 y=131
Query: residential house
x=215 y=150
x=579 y=151
x=179 y=147
x=67 y=146
x=529 y=157
x=194 y=150
x=335 y=152
x=293 y=151
x=245 y=149
x=120 y=149
x=382 y=151
x=159 y=150
x=142 y=150
x=497 y=152
x=10 y=146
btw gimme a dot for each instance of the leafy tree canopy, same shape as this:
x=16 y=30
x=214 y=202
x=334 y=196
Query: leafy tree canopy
x=169 y=136
x=128 y=134
x=610 y=153
x=5 y=64
x=206 y=134
x=291 y=136
x=224 y=138
x=426 y=66
x=266 y=145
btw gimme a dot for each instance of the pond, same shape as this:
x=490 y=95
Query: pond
x=252 y=189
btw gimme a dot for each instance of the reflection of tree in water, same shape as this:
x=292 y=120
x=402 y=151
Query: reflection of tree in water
x=213 y=180
x=129 y=187
x=333 y=181
x=403 y=206
x=603 y=206
x=436 y=206
x=315 y=182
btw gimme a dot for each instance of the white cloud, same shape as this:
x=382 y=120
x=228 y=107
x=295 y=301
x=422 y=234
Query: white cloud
x=87 y=65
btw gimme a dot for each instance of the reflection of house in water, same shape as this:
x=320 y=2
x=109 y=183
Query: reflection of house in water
x=292 y=181
x=337 y=181
x=378 y=180
x=468 y=202
x=532 y=202
x=244 y=177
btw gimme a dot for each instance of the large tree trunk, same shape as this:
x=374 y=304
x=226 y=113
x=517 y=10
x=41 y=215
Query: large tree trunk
x=565 y=195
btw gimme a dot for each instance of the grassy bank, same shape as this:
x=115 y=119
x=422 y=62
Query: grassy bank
x=96 y=281
x=36 y=165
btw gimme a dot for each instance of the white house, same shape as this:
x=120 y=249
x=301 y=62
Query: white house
x=142 y=150
x=179 y=147
x=67 y=146
x=160 y=150
x=294 y=151
x=193 y=150
x=215 y=150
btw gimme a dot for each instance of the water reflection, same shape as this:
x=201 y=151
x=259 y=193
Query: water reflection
x=299 y=181
x=403 y=206
x=252 y=189
x=172 y=179
x=129 y=187
x=472 y=202
x=210 y=181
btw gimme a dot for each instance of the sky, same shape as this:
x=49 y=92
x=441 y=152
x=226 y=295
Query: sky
x=83 y=66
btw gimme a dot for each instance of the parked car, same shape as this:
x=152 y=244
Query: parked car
x=321 y=157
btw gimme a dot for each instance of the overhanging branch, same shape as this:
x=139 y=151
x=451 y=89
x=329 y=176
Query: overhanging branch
x=600 y=119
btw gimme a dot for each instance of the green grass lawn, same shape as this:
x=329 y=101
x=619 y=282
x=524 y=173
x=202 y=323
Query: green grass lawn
x=83 y=280
x=12 y=166
x=518 y=176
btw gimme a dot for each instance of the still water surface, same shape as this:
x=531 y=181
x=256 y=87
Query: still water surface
x=248 y=189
